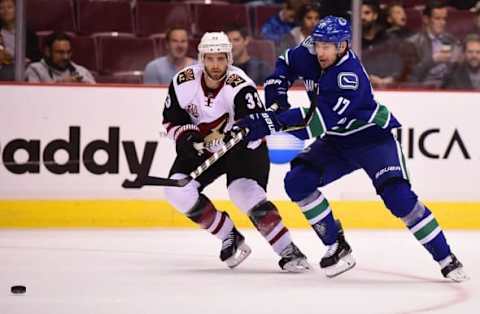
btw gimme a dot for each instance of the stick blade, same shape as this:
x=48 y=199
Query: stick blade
x=129 y=184
x=157 y=181
x=140 y=182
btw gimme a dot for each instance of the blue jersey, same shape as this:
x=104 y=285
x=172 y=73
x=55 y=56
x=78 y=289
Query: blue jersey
x=345 y=100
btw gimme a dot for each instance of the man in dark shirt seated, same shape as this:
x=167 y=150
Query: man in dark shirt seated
x=255 y=68
x=438 y=51
x=380 y=54
x=466 y=75
x=397 y=21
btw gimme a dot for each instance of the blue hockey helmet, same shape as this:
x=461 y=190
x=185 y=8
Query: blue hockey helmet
x=332 y=29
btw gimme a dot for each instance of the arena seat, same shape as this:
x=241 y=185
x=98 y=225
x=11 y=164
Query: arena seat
x=215 y=17
x=157 y=17
x=193 y=48
x=50 y=15
x=127 y=77
x=261 y=14
x=95 y=16
x=406 y=3
x=123 y=52
x=85 y=52
x=159 y=42
x=263 y=49
x=460 y=22
x=414 y=19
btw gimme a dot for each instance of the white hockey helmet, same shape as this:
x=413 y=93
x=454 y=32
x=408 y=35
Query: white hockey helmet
x=215 y=42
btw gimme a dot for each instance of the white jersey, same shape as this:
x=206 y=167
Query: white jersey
x=190 y=105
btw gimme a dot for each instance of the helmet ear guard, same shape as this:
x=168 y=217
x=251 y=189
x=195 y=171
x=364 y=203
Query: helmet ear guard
x=215 y=42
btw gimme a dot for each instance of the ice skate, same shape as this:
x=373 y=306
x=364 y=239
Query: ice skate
x=454 y=270
x=338 y=258
x=293 y=260
x=234 y=250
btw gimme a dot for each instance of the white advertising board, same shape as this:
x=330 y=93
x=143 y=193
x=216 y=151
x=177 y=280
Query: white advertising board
x=60 y=142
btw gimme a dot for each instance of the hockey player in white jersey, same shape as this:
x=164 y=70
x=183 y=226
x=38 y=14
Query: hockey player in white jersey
x=203 y=102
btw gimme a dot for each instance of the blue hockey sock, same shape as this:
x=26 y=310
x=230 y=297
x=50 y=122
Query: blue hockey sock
x=425 y=228
x=318 y=212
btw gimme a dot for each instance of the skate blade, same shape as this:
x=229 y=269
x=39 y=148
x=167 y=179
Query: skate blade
x=344 y=264
x=458 y=275
x=242 y=253
x=299 y=265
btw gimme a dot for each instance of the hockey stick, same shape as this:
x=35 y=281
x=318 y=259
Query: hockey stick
x=308 y=116
x=151 y=180
x=237 y=138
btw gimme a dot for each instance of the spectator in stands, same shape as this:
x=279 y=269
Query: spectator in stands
x=476 y=21
x=162 y=70
x=373 y=32
x=437 y=50
x=340 y=8
x=56 y=65
x=7 y=41
x=467 y=74
x=380 y=54
x=281 y=23
x=255 y=68
x=397 y=21
x=308 y=17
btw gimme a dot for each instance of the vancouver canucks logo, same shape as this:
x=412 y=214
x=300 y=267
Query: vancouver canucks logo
x=347 y=80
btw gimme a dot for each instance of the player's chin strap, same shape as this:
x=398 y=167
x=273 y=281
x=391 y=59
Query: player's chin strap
x=237 y=137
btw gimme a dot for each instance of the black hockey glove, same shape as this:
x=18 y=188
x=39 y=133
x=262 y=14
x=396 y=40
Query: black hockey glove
x=190 y=144
x=276 y=94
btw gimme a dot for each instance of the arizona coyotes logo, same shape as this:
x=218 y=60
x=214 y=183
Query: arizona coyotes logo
x=185 y=76
x=192 y=110
x=214 y=130
x=234 y=80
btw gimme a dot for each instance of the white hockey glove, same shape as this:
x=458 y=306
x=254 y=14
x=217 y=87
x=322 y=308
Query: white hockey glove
x=214 y=141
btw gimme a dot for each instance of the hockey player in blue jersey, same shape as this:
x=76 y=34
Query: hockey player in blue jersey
x=353 y=132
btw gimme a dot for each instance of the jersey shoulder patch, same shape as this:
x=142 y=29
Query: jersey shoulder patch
x=185 y=76
x=234 y=80
x=348 y=80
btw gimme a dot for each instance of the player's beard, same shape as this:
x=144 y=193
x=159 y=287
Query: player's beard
x=474 y=66
x=217 y=76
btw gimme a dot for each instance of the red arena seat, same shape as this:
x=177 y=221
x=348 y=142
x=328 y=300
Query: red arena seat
x=262 y=14
x=120 y=53
x=50 y=15
x=157 y=17
x=263 y=49
x=85 y=52
x=214 y=17
x=95 y=16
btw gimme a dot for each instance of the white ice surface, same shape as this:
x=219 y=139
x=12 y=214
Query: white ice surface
x=178 y=271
